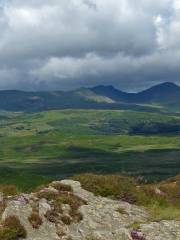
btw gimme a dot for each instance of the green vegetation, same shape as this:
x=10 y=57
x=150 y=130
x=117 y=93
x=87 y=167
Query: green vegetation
x=164 y=97
x=9 y=190
x=160 y=204
x=64 y=195
x=41 y=147
x=104 y=122
x=36 y=148
x=12 y=229
x=35 y=220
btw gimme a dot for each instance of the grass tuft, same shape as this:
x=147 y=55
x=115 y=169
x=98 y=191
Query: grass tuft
x=162 y=205
x=9 y=190
x=35 y=220
x=12 y=229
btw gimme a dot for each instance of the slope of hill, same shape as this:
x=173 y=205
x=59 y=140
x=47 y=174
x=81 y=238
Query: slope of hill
x=90 y=95
x=38 y=101
x=99 y=97
x=58 y=144
x=166 y=94
x=113 y=93
x=65 y=210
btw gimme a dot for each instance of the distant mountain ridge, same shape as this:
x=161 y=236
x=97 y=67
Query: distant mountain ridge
x=98 y=97
x=163 y=92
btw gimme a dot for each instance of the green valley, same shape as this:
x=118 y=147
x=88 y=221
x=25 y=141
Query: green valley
x=38 y=147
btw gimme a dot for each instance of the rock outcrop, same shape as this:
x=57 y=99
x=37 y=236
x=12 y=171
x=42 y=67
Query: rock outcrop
x=63 y=210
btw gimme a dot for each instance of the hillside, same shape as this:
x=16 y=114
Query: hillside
x=163 y=97
x=64 y=210
x=104 y=122
x=58 y=144
x=165 y=94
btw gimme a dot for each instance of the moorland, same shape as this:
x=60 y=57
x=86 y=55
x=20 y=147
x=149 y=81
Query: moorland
x=56 y=144
x=125 y=146
x=57 y=134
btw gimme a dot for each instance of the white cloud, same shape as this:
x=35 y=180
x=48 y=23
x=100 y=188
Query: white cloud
x=177 y=4
x=99 y=41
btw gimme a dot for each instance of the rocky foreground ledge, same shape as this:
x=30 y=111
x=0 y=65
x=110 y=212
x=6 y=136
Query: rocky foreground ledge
x=63 y=210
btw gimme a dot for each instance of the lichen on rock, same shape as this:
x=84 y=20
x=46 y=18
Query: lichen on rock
x=64 y=210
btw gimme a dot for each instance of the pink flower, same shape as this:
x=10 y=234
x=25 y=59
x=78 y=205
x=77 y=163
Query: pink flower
x=137 y=235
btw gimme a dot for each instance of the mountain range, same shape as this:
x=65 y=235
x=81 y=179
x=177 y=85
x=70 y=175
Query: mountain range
x=165 y=95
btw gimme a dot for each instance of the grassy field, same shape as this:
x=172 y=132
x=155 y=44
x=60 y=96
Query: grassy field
x=36 y=148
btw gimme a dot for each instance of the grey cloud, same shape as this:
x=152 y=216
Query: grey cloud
x=91 y=4
x=69 y=43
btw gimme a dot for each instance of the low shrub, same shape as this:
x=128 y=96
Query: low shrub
x=119 y=187
x=9 y=190
x=56 y=212
x=2 y=207
x=165 y=205
x=73 y=201
x=70 y=199
x=52 y=215
x=66 y=219
x=12 y=229
x=48 y=195
x=62 y=187
x=35 y=220
x=122 y=211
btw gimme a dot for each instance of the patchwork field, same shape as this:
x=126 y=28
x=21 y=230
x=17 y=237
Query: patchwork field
x=36 y=148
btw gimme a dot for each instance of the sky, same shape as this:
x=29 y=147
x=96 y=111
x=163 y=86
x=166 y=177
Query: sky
x=66 y=44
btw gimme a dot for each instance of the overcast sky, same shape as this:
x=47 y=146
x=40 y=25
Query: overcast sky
x=64 y=44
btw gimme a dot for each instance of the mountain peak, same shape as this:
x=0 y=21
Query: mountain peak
x=106 y=89
x=110 y=92
x=168 y=85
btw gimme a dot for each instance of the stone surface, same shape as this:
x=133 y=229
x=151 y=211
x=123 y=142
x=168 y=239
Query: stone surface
x=162 y=230
x=23 y=211
x=1 y=198
x=103 y=219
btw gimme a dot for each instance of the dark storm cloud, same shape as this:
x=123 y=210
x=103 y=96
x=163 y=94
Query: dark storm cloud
x=69 y=43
